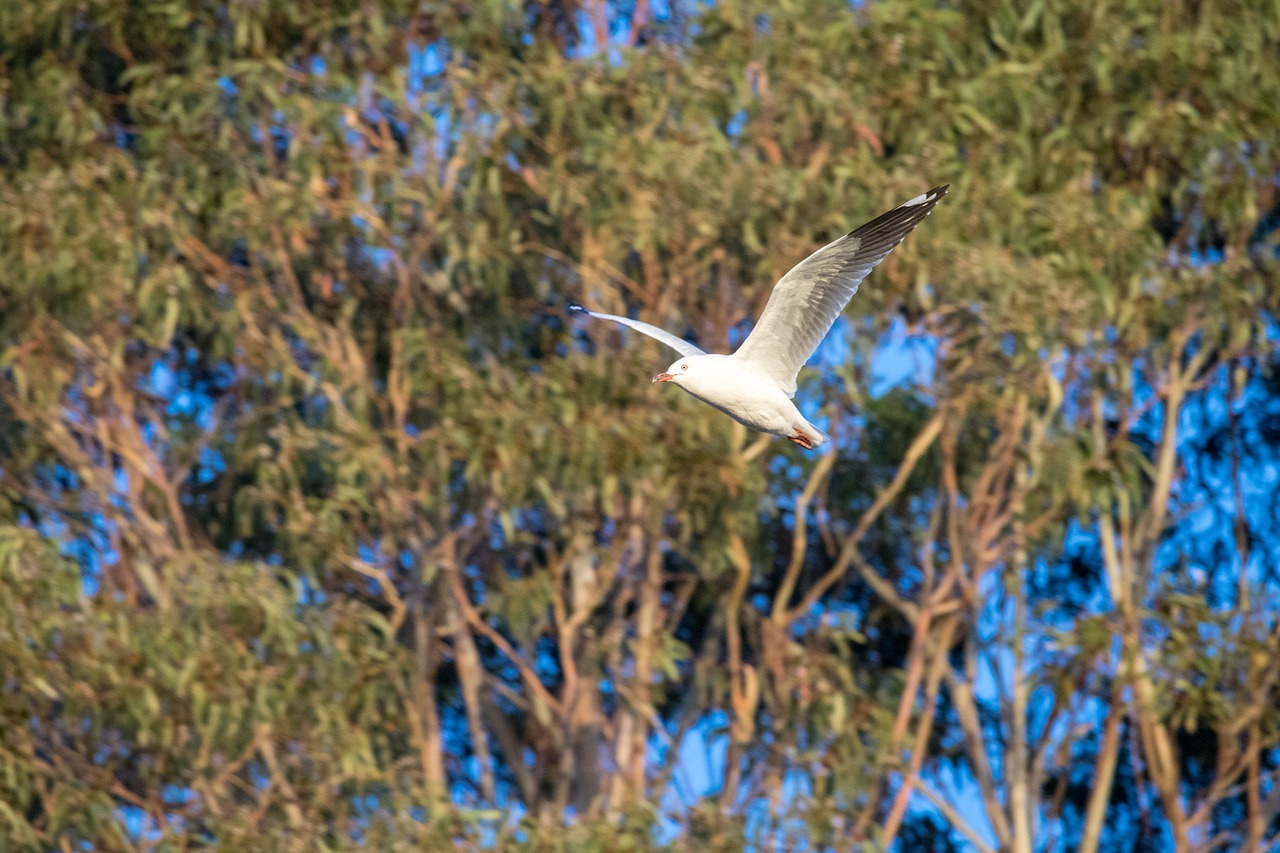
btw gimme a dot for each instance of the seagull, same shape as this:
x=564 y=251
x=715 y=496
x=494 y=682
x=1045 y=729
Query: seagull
x=756 y=384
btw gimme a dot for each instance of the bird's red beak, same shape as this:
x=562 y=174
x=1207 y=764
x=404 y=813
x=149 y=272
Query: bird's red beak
x=664 y=377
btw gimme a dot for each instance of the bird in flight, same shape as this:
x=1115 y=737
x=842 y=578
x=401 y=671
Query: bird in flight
x=756 y=384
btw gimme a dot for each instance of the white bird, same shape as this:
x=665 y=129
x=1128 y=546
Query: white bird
x=755 y=385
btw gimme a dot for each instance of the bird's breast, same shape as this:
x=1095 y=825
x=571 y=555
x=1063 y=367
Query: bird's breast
x=752 y=402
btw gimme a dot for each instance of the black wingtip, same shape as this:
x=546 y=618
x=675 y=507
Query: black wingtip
x=575 y=308
x=926 y=199
x=898 y=223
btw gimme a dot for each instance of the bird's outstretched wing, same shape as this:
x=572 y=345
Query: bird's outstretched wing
x=806 y=301
x=678 y=344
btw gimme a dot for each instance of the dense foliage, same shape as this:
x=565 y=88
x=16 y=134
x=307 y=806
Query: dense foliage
x=323 y=527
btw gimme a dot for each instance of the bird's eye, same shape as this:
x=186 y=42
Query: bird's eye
x=684 y=367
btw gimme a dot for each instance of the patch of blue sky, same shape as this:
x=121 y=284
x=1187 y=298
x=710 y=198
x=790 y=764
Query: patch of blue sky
x=617 y=31
x=1204 y=257
x=546 y=662
x=736 y=124
x=959 y=792
x=380 y=257
x=161 y=380
x=419 y=153
x=306 y=592
x=139 y=826
x=176 y=795
x=1042 y=726
x=442 y=119
x=789 y=833
x=586 y=45
x=497 y=535
x=588 y=41
x=1270 y=327
x=210 y=465
x=484 y=126
x=462 y=792
x=1081 y=542
x=354 y=140
x=1205 y=497
x=699 y=771
x=425 y=61
x=367 y=95
x=901 y=358
x=90 y=573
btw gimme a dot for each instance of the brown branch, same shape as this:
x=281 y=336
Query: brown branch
x=923 y=441
x=420 y=703
x=466 y=660
x=1239 y=524
x=1157 y=744
x=641 y=717
x=799 y=538
x=1104 y=772
x=963 y=701
x=598 y=13
x=1016 y=757
x=279 y=779
x=1179 y=379
x=473 y=618
x=919 y=641
x=741 y=695
x=565 y=631
x=1253 y=794
x=937 y=667
x=510 y=745
x=639 y=17
x=883 y=588
x=1227 y=772
x=757 y=447
x=388 y=589
x=584 y=268
x=744 y=688
x=948 y=811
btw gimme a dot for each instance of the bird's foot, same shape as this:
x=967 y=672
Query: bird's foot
x=801 y=439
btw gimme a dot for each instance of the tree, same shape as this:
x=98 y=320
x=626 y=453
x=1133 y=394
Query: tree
x=323 y=526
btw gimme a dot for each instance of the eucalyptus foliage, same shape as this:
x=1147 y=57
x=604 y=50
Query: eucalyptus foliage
x=322 y=526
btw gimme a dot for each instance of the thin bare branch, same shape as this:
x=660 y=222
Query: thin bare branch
x=923 y=441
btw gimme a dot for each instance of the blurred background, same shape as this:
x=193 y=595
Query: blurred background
x=323 y=527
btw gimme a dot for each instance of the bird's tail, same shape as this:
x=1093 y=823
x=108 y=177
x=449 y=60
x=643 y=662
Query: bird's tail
x=817 y=436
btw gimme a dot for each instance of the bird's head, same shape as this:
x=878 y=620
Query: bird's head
x=684 y=371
